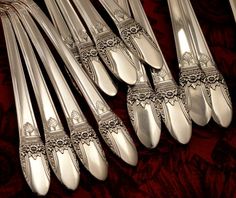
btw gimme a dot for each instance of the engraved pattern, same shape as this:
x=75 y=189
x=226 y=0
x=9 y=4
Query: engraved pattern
x=84 y=134
x=159 y=76
x=56 y=142
x=191 y=77
x=101 y=107
x=106 y=42
x=141 y=94
x=31 y=147
x=167 y=92
x=88 y=52
x=188 y=60
x=206 y=61
x=28 y=129
x=215 y=79
x=110 y=125
x=130 y=29
x=100 y=28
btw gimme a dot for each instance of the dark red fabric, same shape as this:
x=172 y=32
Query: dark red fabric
x=206 y=167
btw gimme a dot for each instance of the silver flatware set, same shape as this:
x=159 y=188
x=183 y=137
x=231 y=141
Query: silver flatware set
x=88 y=48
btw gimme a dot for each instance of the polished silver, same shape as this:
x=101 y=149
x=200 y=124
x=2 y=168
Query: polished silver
x=75 y=36
x=110 y=47
x=170 y=98
x=134 y=35
x=32 y=151
x=215 y=83
x=141 y=103
x=111 y=127
x=58 y=145
x=83 y=137
x=192 y=76
x=233 y=6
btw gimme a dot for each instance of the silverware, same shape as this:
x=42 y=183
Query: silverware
x=32 y=151
x=58 y=145
x=171 y=99
x=79 y=42
x=191 y=75
x=215 y=83
x=141 y=103
x=134 y=35
x=233 y=6
x=83 y=137
x=111 y=127
x=110 y=47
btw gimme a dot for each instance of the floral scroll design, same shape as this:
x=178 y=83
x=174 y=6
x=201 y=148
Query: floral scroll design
x=106 y=42
x=191 y=77
x=113 y=124
x=31 y=147
x=130 y=29
x=141 y=95
x=188 y=60
x=213 y=78
x=170 y=93
x=88 y=52
x=56 y=140
x=82 y=133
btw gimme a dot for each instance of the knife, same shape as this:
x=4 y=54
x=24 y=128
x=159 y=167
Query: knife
x=75 y=35
x=215 y=83
x=134 y=35
x=111 y=49
x=83 y=137
x=141 y=103
x=58 y=145
x=32 y=151
x=191 y=75
x=172 y=102
x=111 y=127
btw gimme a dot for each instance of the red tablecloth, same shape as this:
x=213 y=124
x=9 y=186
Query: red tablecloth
x=206 y=167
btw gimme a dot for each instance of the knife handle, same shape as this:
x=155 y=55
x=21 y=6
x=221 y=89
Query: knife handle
x=93 y=97
x=28 y=130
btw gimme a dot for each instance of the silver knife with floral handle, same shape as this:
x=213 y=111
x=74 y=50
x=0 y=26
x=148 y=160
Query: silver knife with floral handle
x=173 y=105
x=111 y=127
x=75 y=36
x=141 y=103
x=58 y=145
x=191 y=75
x=84 y=139
x=32 y=151
x=110 y=47
x=134 y=35
x=215 y=83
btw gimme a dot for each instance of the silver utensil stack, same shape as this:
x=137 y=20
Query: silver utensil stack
x=88 y=47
